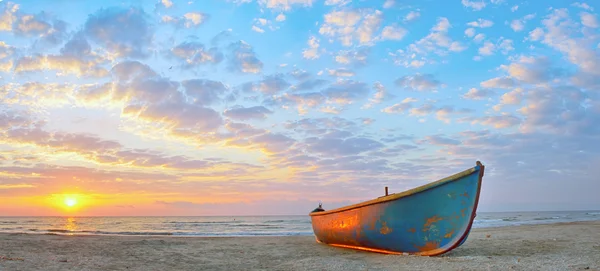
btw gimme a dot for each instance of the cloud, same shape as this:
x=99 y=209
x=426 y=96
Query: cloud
x=418 y=82
x=498 y=122
x=443 y=113
x=187 y=20
x=479 y=37
x=313 y=51
x=436 y=42
x=346 y=91
x=411 y=16
x=271 y=84
x=285 y=5
x=487 y=49
x=440 y=140
x=167 y=3
x=393 y=33
x=341 y=72
x=380 y=95
x=582 y=5
x=589 y=20
x=332 y=147
x=337 y=2
x=519 y=24
x=478 y=94
x=481 y=23
x=470 y=32
x=389 y=3
x=342 y=92
x=193 y=54
x=96 y=149
x=257 y=29
x=194 y=19
x=401 y=107
x=63 y=64
x=356 y=58
x=532 y=69
x=7 y=53
x=499 y=82
x=514 y=97
x=203 y=91
x=123 y=32
x=474 y=4
x=243 y=59
x=42 y=25
x=247 y=113
x=559 y=34
x=352 y=25
x=9 y=16
x=564 y=114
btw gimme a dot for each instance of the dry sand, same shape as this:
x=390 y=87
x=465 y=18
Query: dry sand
x=565 y=246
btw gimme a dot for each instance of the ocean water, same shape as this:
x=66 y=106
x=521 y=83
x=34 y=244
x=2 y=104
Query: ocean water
x=238 y=225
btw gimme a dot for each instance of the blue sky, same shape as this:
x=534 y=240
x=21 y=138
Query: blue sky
x=233 y=106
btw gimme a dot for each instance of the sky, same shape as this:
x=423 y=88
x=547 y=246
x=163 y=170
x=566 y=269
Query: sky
x=266 y=107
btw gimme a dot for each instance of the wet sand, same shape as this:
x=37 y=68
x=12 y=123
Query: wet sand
x=564 y=246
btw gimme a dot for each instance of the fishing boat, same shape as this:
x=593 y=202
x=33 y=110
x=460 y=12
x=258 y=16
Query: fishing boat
x=428 y=220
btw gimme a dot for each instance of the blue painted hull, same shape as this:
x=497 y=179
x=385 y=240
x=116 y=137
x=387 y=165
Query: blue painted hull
x=429 y=220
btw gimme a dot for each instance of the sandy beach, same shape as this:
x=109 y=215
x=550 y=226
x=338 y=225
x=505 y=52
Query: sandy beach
x=564 y=246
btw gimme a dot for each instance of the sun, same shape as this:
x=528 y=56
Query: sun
x=70 y=202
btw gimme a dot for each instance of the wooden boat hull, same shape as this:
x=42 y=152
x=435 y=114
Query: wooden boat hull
x=428 y=220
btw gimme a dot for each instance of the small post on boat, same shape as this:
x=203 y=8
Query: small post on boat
x=386 y=190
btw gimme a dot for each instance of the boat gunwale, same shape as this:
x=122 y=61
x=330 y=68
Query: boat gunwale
x=403 y=194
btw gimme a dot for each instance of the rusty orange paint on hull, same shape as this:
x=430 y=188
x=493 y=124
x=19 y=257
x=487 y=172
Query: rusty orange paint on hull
x=432 y=220
x=432 y=245
x=384 y=228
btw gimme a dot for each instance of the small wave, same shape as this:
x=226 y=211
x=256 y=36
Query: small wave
x=242 y=234
x=510 y=219
x=593 y=213
x=481 y=221
x=547 y=218
x=58 y=230
x=256 y=225
x=274 y=221
x=86 y=232
x=203 y=222
x=8 y=222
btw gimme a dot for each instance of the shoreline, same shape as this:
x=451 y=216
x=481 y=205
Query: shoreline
x=309 y=234
x=557 y=246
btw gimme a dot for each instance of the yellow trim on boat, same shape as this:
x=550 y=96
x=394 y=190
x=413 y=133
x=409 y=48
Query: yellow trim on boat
x=401 y=194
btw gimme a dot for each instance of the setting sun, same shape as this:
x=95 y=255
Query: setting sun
x=70 y=202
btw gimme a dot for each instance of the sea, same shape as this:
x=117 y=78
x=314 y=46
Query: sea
x=235 y=226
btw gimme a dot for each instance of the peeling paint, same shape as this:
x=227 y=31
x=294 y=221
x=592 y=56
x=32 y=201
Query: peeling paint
x=432 y=220
x=429 y=246
x=449 y=235
x=384 y=228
